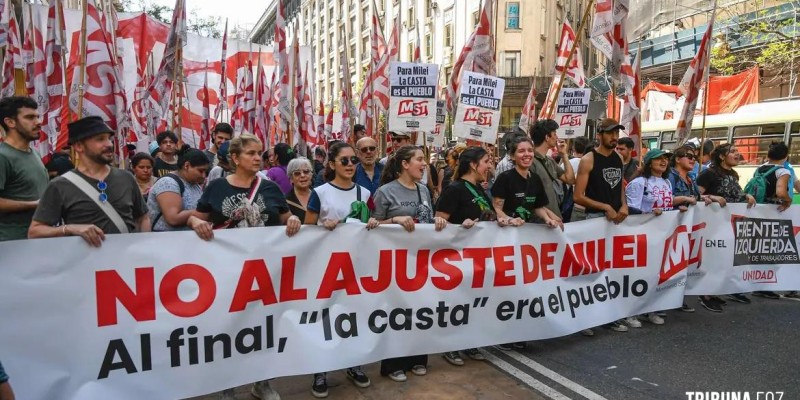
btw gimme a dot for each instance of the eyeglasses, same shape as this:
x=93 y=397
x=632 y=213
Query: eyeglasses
x=301 y=172
x=689 y=156
x=368 y=149
x=347 y=161
x=102 y=186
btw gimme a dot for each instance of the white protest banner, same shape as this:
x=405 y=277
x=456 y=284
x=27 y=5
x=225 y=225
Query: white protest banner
x=743 y=250
x=572 y=110
x=412 y=101
x=478 y=113
x=435 y=138
x=166 y=315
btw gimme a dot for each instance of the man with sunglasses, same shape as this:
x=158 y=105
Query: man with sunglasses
x=368 y=172
x=399 y=139
x=95 y=199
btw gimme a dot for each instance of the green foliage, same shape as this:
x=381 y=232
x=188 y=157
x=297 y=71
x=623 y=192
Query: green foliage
x=203 y=26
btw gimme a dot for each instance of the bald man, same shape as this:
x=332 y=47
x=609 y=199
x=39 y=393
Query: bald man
x=368 y=172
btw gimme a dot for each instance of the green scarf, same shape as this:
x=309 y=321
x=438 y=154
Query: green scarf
x=359 y=211
x=523 y=213
x=480 y=200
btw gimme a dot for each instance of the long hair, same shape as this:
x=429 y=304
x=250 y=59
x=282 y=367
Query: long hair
x=718 y=157
x=394 y=165
x=466 y=158
x=333 y=152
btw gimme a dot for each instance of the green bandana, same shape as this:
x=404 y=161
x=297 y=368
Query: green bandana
x=480 y=200
x=359 y=211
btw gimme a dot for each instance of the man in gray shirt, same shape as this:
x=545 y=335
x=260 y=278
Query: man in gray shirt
x=23 y=177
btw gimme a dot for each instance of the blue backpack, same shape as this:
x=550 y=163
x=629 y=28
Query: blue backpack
x=757 y=186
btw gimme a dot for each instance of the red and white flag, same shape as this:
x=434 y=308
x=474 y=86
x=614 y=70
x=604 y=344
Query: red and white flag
x=417 y=57
x=376 y=88
x=284 y=109
x=308 y=129
x=13 y=58
x=321 y=138
x=528 y=115
x=329 y=122
x=205 y=123
x=223 y=81
x=695 y=75
x=262 y=100
x=160 y=91
x=632 y=108
x=382 y=56
x=237 y=111
x=297 y=92
x=249 y=98
x=608 y=33
x=103 y=94
x=478 y=55
x=51 y=120
x=575 y=71
x=35 y=60
x=4 y=5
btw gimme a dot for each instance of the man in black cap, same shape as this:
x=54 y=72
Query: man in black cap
x=23 y=177
x=94 y=199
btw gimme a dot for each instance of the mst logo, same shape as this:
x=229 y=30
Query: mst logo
x=682 y=249
x=570 y=120
x=415 y=109
x=475 y=115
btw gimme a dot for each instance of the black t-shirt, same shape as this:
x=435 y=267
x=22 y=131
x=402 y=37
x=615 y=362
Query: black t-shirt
x=163 y=168
x=295 y=206
x=458 y=201
x=723 y=185
x=226 y=202
x=448 y=177
x=518 y=191
x=605 y=181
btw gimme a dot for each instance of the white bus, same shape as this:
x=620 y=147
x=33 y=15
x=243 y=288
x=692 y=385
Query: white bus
x=751 y=129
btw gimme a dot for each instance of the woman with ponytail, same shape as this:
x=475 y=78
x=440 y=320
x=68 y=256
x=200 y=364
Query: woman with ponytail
x=403 y=201
x=464 y=202
x=173 y=197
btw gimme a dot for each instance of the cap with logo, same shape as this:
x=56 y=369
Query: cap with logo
x=608 y=125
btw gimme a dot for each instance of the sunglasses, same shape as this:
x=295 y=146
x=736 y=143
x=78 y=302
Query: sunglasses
x=690 y=156
x=347 y=161
x=102 y=186
x=368 y=149
x=399 y=139
x=301 y=172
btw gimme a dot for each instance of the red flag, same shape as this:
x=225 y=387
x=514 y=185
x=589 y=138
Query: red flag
x=575 y=70
x=382 y=56
x=693 y=79
x=417 y=58
x=282 y=57
x=528 y=115
x=262 y=101
x=633 y=108
x=160 y=90
x=321 y=124
x=237 y=111
x=297 y=92
x=103 y=94
x=51 y=121
x=477 y=55
x=223 y=82
x=13 y=58
x=376 y=85
x=308 y=129
x=205 y=123
x=248 y=99
x=329 y=123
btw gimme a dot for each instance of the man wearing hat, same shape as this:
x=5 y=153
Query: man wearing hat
x=399 y=139
x=599 y=185
x=23 y=178
x=94 y=199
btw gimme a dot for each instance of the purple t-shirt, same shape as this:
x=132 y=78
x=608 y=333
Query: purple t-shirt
x=280 y=177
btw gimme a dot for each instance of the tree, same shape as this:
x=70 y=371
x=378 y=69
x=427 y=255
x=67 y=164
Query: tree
x=765 y=38
x=203 y=26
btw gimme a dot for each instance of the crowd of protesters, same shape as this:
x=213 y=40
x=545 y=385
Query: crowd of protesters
x=237 y=184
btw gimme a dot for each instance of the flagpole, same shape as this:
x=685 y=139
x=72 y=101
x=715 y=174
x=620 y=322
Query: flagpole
x=292 y=106
x=706 y=74
x=578 y=36
x=82 y=78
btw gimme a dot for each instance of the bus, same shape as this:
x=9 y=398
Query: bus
x=751 y=129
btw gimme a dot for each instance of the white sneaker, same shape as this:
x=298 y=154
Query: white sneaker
x=655 y=319
x=633 y=322
x=587 y=332
x=227 y=394
x=398 y=376
x=262 y=390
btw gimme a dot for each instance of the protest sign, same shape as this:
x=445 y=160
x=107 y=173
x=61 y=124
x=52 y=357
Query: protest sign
x=572 y=110
x=478 y=113
x=412 y=102
x=166 y=315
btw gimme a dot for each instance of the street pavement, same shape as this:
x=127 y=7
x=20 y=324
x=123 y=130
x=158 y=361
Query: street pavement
x=748 y=348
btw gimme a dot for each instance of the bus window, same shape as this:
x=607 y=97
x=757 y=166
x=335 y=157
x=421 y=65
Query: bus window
x=753 y=141
x=794 y=143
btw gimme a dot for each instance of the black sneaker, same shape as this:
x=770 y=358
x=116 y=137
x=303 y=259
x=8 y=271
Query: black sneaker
x=719 y=300
x=519 y=345
x=793 y=295
x=474 y=354
x=767 y=295
x=358 y=377
x=739 y=298
x=453 y=358
x=504 y=346
x=710 y=304
x=685 y=308
x=319 y=388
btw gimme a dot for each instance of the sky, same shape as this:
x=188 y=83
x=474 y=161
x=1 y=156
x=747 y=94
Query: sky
x=238 y=12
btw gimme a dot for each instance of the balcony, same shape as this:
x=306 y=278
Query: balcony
x=521 y=85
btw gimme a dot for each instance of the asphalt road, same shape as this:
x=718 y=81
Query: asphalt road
x=747 y=348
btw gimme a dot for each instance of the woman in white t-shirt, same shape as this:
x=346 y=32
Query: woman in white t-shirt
x=650 y=193
x=334 y=202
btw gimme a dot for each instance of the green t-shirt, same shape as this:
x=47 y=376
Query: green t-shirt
x=23 y=178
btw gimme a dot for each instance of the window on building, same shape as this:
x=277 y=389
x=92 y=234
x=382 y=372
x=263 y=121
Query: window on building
x=447 y=72
x=366 y=49
x=365 y=16
x=476 y=17
x=511 y=63
x=352 y=22
x=428 y=45
x=411 y=51
x=428 y=9
x=412 y=17
x=512 y=15
x=448 y=35
x=543 y=21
